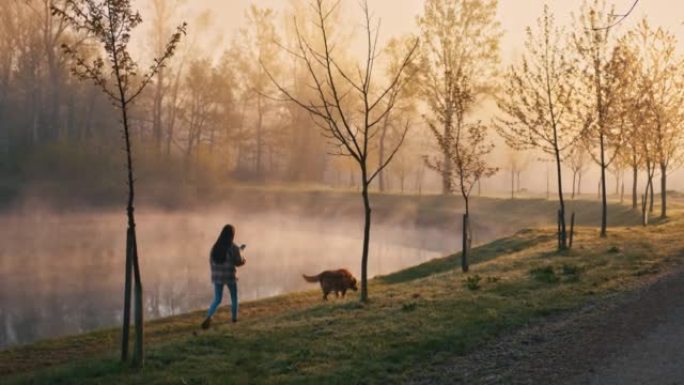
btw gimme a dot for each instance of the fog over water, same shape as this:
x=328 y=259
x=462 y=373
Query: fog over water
x=63 y=273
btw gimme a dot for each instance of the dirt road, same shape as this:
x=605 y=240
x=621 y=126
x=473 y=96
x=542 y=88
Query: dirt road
x=654 y=354
x=634 y=338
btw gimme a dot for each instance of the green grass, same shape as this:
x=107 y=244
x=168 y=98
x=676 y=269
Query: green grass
x=416 y=319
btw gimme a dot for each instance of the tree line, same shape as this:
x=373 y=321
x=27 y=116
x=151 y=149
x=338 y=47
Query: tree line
x=208 y=111
x=591 y=91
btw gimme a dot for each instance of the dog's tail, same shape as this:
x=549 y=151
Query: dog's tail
x=313 y=278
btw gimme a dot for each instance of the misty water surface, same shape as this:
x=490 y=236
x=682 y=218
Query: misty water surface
x=62 y=273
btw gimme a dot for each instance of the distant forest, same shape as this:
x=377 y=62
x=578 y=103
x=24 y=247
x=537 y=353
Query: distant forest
x=205 y=120
x=580 y=96
x=202 y=121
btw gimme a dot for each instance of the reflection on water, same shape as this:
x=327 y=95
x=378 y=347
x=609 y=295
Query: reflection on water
x=62 y=274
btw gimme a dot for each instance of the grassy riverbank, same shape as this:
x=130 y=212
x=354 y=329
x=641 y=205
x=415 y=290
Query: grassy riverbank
x=416 y=319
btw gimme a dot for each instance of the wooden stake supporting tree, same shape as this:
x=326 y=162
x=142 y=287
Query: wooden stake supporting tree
x=110 y=23
x=572 y=230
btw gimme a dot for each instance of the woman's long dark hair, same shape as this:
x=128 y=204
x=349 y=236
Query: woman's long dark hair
x=220 y=249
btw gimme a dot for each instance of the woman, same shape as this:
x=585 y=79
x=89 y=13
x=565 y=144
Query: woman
x=224 y=258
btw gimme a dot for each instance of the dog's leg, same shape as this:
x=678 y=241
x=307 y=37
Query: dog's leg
x=337 y=294
x=344 y=292
x=325 y=296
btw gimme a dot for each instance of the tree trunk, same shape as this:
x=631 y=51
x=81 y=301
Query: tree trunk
x=138 y=352
x=512 y=184
x=402 y=178
x=650 y=191
x=381 y=155
x=663 y=191
x=635 y=176
x=446 y=173
x=548 y=187
x=157 y=111
x=465 y=249
x=419 y=180
x=171 y=121
x=130 y=211
x=563 y=233
x=644 y=208
x=465 y=237
x=574 y=181
x=604 y=202
x=125 y=330
x=366 y=238
x=579 y=184
x=259 y=138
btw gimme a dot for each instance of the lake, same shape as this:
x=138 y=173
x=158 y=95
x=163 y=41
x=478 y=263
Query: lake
x=63 y=273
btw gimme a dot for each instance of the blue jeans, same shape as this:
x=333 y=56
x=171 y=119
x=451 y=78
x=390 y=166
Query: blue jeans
x=218 y=296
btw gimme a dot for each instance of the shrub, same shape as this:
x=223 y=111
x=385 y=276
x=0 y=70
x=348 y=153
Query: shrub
x=544 y=274
x=570 y=270
x=571 y=273
x=473 y=282
x=493 y=279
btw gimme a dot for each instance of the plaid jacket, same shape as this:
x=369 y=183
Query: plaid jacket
x=225 y=272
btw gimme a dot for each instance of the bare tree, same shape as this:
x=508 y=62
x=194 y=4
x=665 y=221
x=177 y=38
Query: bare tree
x=601 y=79
x=52 y=35
x=663 y=93
x=515 y=163
x=110 y=23
x=538 y=97
x=632 y=154
x=578 y=166
x=9 y=20
x=631 y=104
x=349 y=108
x=468 y=149
x=405 y=105
x=203 y=107
x=617 y=170
x=649 y=153
x=259 y=46
x=164 y=12
x=460 y=42
x=460 y=50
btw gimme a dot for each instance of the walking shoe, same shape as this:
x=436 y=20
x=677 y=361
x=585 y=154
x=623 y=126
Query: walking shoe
x=206 y=323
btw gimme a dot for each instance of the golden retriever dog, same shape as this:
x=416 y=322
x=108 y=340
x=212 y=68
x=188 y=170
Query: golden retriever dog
x=334 y=280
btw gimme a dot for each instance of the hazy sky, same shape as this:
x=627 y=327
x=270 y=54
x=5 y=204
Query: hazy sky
x=398 y=16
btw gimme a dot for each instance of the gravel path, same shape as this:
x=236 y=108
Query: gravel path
x=655 y=356
x=634 y=338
